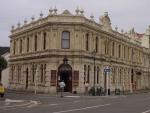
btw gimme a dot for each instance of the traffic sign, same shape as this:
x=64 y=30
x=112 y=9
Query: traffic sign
x=107 y=70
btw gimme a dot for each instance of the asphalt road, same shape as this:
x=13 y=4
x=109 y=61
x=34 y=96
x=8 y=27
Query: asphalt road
x=29 y=103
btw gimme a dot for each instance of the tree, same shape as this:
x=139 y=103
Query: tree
x=3 y=65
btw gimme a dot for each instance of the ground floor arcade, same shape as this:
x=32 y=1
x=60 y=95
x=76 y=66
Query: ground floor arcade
x=43 y=75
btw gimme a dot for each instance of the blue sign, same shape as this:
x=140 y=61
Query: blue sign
x=107 y=70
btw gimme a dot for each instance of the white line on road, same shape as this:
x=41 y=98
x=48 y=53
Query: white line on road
x=33 y=103
x=91 y=107
x=16 y=105
x=148 y=111
x=29 y=104
x=73 y=96
x=53 y=104
x=10 y=100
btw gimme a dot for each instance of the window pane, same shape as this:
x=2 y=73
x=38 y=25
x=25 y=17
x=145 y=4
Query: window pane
x=65 y=35
x=65 y=43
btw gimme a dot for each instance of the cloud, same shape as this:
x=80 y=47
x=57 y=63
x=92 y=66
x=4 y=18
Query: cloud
x=124 y=13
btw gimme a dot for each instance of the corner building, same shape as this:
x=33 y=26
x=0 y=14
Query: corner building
x=77 y=50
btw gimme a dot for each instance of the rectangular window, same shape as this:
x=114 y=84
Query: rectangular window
x=65 y=40
x=53 y=77
x=76 y=79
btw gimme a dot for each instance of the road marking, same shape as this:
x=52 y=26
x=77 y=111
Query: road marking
x=91 y=107
x=53 y=104
x=15 y=106
x=10 y=100
x=148 y=111
x=72 y=96
x=47 y=97
x=63 y=103
x=29 y=104
x=33 y=103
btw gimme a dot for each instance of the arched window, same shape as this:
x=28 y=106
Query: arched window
x=19 y=73
x=65 y=40
x=124 y=51
x=14 y=47
x=87 y=42
x=88 y=74
x=119 y=51
x=42 y=74
x=84 y=74
x=113 y=75
x=105 y=46
x=27 y=44
x=35 y=43
x=113 y=49
x=96 y=44
x=20 y=46
x=44 y=40
x=34 y=66
x=12 y=72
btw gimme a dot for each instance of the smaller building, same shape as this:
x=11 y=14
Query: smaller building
x=5 y=52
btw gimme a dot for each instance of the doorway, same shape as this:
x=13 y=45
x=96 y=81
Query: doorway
x=65 y=74
x=66 y=77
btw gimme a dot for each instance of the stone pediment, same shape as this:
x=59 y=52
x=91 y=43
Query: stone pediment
x=66 y=12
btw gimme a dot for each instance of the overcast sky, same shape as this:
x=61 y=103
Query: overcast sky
x=125 y=14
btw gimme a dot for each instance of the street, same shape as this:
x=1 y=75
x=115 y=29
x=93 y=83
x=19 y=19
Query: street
x=43 y=103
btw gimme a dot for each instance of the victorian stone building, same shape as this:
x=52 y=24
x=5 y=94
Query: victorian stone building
x=77 y=50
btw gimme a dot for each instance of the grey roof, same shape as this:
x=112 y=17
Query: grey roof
x=4 y=50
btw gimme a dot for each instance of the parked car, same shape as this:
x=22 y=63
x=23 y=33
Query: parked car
x=2 y=90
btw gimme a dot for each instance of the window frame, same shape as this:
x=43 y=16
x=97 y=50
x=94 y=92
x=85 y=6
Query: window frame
x=64 y=39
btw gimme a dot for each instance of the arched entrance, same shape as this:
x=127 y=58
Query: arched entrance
x=65 y=74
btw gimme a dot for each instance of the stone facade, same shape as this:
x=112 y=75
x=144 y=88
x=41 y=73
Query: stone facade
x=72 y=47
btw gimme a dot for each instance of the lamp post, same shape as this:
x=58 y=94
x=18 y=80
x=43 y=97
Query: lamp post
x=94 y=53
x=0 y=73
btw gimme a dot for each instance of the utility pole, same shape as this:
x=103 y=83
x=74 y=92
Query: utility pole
x=94 y=78
x=94 y=53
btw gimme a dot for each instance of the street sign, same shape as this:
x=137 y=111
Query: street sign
x=107 y=70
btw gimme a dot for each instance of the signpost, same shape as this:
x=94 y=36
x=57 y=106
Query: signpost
x=107 y=70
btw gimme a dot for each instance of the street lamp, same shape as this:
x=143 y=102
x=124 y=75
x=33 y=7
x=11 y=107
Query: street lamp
x=94 y=53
